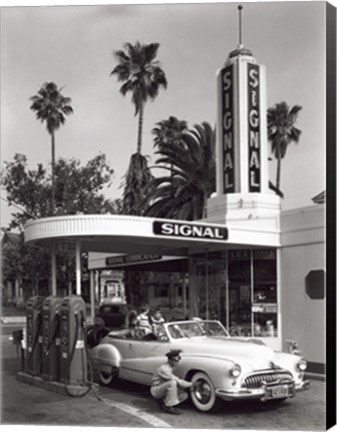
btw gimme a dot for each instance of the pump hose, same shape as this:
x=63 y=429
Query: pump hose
x=29 y=359
x=72 y=353
x=90 y=382
x=46 y=351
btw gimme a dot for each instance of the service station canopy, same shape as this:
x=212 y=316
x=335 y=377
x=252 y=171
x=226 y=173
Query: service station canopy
x=141 y=235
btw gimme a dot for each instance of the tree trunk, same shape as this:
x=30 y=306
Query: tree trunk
x=204 y=206
x=52 y=173
x=278 y=173
x=140 y=128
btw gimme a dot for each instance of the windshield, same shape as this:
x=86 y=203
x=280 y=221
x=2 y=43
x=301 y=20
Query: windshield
x=190 y=329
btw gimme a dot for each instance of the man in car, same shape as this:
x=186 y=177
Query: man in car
x=166 y=387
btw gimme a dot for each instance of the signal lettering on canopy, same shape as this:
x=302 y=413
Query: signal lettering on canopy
x=178 y=229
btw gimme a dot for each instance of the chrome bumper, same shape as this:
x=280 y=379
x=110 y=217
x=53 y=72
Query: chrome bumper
x=263 y=393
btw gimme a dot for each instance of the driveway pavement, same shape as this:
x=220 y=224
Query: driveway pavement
x=130 y=405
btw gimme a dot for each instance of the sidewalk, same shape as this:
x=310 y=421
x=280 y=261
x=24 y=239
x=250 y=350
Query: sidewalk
x=26 y=404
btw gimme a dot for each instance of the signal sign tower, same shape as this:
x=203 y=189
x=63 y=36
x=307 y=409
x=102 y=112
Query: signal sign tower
x=242 y=144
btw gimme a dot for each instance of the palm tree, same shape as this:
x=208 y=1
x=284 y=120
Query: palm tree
x=51 y=107
x=141 y=75
x=191 y=162
x=168 y=132
x=137 y=179
x=282 y=131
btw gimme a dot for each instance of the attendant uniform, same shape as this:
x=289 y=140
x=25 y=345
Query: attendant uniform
x=167 y=386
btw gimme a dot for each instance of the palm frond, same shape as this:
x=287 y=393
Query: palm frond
x=140 y=73
x=191 y=163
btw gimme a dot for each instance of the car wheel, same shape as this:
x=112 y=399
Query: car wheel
x=107 y=378
x=203 y=395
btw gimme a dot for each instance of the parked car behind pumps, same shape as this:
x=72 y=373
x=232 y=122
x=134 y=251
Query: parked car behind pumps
x=112 y=315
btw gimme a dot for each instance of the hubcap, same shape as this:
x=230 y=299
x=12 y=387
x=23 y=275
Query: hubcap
x=105 y=377
x=203 y=392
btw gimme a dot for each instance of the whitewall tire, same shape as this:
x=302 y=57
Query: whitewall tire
x=107 y=378
x=203 y=395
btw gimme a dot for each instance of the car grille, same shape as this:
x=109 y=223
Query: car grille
x=255 y=381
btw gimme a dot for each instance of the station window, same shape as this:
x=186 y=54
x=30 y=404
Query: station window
x=238 y=287
x=239 y=292
x=264 y=306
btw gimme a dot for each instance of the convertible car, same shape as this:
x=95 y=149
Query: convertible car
x=224 y=368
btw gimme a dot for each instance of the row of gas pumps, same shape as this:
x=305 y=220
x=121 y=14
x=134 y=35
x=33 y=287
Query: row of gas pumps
x=55 y=340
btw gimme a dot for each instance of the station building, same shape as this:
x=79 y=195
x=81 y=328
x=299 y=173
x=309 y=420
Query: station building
x=256 y=268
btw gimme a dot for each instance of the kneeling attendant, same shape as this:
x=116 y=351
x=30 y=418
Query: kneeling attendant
x=166 y=387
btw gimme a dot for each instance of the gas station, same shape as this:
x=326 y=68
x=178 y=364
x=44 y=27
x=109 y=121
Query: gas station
x=248 y=262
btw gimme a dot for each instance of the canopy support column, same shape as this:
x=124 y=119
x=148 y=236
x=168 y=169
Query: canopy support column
x=206 y=283
x=53 y=271
x=78 y=267
x=184 y=294
x=92 y=296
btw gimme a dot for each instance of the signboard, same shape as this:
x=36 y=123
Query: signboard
x=254 y=135
x=227 y=131
x=237 y=254
x=264 y=254
x=214 y=255
x=264 y=307
x=179 y=229
x=127 y=259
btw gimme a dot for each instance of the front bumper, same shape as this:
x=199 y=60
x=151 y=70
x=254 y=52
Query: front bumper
x=263 y=393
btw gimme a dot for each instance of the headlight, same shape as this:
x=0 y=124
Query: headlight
x=235 y=371
x=302 y=365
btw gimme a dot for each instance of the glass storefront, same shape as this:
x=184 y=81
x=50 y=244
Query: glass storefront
x=238 y=287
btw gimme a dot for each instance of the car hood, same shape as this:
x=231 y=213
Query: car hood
x=254 y=355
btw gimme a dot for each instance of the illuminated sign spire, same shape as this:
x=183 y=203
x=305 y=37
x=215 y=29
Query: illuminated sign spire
x=240 y=7
x=242 y=130
x=242 y=190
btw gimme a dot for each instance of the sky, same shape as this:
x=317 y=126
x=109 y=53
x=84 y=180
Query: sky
x=73 y=46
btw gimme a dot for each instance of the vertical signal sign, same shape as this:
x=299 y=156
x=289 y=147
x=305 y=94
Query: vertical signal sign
x=227 y=131
x=254 y=133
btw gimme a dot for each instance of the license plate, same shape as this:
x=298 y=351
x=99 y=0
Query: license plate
x=280 y=391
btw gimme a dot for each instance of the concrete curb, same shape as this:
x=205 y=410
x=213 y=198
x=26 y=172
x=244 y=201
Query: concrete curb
x=55 y=386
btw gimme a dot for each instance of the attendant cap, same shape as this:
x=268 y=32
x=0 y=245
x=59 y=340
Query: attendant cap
x=173 y=353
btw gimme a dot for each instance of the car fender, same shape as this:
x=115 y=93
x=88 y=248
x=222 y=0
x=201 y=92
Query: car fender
x=289 y=362
x=105 y=355
x=217 y=368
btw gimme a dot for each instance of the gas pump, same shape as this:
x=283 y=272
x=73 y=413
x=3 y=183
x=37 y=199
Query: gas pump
x=73 y=358
x=51 y=338
x=34 y=335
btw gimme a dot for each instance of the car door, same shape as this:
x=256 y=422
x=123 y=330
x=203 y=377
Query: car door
x=144 y=358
